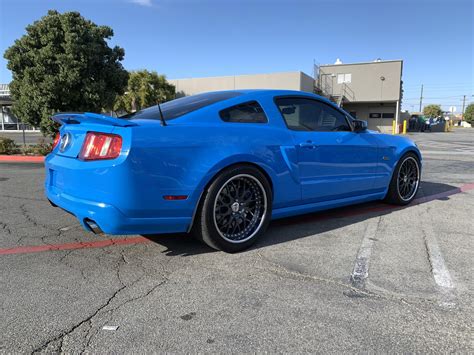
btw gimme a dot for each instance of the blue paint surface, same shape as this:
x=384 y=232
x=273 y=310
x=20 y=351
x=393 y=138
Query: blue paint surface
x=125 y=195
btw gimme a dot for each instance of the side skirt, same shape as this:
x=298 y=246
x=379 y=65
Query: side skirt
x=320 y=206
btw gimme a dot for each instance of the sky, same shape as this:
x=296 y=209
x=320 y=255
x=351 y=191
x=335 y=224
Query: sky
x=199 y=38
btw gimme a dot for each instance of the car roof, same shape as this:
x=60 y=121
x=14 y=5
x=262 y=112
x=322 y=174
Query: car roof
x=248 y=93
x=245 y=95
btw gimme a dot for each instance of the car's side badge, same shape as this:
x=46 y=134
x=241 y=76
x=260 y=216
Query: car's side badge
x=385 y=157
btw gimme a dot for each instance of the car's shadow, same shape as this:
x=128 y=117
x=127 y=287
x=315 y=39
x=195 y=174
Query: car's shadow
x=288 y=229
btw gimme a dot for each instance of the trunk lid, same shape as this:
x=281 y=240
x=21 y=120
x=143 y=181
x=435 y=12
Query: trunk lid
x=74 y=127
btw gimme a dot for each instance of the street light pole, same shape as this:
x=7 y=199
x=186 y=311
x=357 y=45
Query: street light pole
x=421 y=97
x=463 y=105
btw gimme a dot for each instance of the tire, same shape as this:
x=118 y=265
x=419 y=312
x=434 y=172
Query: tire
x=405 y=180
x=225 y=223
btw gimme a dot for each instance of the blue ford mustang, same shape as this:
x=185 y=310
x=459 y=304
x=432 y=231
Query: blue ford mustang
x=222 y=165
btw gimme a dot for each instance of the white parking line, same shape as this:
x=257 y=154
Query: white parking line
x=440 y=272
x=443 y=152
x=360 y=273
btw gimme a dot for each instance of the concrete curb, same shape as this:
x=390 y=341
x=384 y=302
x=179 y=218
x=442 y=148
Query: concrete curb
x=21 y=159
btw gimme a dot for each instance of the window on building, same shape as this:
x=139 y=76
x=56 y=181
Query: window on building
x=388 y=115
x=248 y=112
x=344 y=78
x=302 y=114
x=375 y=115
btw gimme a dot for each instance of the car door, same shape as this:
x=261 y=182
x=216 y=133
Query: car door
x=333 y=161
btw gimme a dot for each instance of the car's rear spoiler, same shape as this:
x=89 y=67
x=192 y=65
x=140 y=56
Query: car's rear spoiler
x=88 y=117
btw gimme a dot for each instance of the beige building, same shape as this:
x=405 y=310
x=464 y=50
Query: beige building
x=285 y=81
x=370 y=91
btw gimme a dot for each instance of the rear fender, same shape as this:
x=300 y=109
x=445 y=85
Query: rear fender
x=234 y=160
x=222 y=165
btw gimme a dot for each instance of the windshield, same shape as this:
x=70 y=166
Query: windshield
x=179 y=107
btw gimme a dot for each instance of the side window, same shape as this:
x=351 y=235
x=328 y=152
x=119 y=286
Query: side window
x=301 y=114
x=248 y=112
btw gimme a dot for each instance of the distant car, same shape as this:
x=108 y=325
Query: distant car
x=222 y=165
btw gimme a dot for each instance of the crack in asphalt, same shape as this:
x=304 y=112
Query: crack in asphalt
x=280 y=269
x=370 y=291
x=109 y=312
x=61 y=336
x=29 y=220
x=23 y=198
x=103 y=309
x=6 y=228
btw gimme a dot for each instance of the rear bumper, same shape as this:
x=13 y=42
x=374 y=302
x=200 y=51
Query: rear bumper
x=110 y=219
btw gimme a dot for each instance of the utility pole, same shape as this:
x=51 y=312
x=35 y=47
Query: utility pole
x=421 y=97
x=463 y=105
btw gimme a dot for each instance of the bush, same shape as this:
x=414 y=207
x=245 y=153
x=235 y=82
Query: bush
x=469 y=114
x=8 y=146
x=432 y=111
x=42 y=148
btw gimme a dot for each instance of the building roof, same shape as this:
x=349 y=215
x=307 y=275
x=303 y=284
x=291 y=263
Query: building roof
x=362 y=63
x=232 y=76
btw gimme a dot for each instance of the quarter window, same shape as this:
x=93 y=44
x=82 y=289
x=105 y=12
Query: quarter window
x=182 y=106
x=248 y=112
x=301 y=114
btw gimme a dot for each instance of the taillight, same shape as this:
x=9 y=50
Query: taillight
x=57 y=138
x=99 y=146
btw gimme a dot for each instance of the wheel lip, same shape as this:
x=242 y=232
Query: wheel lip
x=417 y=180
x=264 y=216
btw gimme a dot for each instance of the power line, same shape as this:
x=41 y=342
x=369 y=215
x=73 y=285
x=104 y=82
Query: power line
x=432 y=98
x=439 y=84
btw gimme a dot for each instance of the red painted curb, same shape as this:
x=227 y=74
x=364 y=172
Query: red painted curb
x=72 y=246
x=21 y=159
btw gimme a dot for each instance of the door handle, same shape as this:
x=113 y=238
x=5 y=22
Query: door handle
x=308 y=145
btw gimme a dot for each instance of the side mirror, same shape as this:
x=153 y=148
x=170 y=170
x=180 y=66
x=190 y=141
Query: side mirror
x=360 y=125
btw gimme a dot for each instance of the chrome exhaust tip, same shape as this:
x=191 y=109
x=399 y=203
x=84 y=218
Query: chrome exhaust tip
x=94 y=227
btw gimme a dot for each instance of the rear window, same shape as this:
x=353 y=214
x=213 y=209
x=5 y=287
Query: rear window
x=248 y=112
x=179 y=107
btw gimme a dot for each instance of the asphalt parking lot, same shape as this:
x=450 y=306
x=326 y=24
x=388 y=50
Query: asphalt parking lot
x=365 y=278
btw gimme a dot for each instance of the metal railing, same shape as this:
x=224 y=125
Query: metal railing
x=324 y=85
x=346 y=93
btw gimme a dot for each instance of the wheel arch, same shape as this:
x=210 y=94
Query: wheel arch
x=216 y=172
x=412 y=150
x=405 y=151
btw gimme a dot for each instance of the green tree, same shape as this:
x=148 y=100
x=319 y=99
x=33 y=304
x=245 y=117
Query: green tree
x=432 y=111
x=469 y=113
x=144 y=89
x=63 y=63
